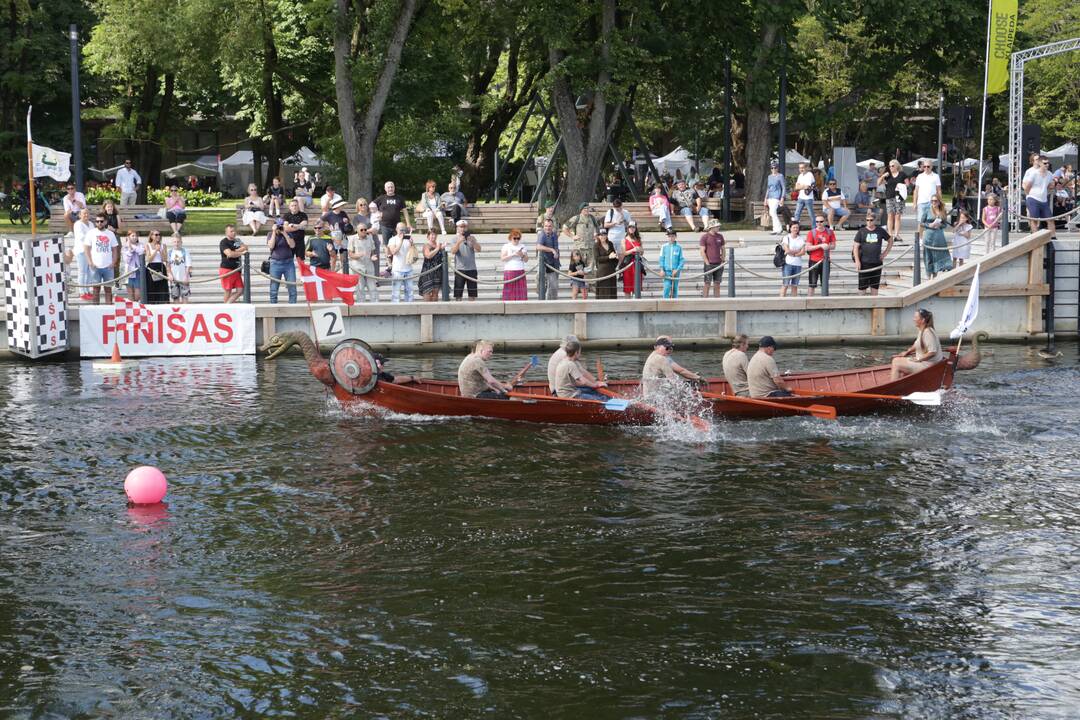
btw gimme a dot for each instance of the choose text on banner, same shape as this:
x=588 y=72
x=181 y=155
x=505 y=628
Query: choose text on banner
x=146 y=330
x=1002 y=33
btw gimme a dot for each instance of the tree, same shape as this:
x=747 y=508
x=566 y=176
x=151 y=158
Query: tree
x=354 y=38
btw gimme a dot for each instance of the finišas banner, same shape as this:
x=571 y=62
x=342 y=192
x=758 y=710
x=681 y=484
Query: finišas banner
x=168 y=330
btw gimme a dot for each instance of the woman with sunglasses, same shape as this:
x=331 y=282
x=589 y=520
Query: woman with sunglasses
x=157 y=276
x=924 y=352
x=254 y=210
x=513 y=256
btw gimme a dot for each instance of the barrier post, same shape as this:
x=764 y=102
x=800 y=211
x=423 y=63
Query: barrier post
x=1049 y=263
x=637 y=276
x=142 y=276
x=917 y=265
x=445 y=277
x=825 y=269
x=1004 y=220
x=541 y=281
x=731 y=272
x=247 y=277
x=344 y=262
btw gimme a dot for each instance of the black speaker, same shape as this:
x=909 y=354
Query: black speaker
x=1030 y=142
x=958 y=122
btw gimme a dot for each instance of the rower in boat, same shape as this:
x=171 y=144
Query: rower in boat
x=572 y=380
x=924 y=352
x=735 y=363
x=556 y=359
x=660 y=369
x=474 y=378
x=384 y=376
x=762 y=374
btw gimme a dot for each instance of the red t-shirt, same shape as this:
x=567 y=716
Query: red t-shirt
x=820 y=236
x=714 y=248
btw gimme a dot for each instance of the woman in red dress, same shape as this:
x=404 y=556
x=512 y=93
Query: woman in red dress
x=632 y=247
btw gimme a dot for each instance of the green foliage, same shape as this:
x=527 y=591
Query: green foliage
x=97 y=194
x=193 y=198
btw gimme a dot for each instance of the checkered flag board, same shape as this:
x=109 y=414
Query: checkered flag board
x=133 y=315
x=34 y=296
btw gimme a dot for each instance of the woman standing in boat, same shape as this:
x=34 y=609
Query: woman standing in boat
x=924 y=352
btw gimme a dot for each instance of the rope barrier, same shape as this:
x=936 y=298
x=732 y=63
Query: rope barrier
x=212 y=278
x=876 y=267
x=618 y=272
x=478 y=281
x=110 y=283
x=1067 y=213
x=768 y=277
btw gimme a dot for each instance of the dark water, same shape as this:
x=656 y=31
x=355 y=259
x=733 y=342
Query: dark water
x=311 y=563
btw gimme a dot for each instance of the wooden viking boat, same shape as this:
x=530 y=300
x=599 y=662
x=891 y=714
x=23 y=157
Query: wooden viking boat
x=351 y=373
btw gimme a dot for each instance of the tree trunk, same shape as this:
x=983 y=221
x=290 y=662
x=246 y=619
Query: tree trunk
x=585 y=136
x=274 y=111
x=359 y=135
x=760 y=89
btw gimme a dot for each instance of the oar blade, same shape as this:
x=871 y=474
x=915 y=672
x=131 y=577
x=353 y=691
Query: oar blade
x=617 y=404
x=824 y=412
x=929 y=399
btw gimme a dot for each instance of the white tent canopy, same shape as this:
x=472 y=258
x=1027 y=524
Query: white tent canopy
x=677 y=161
x=238 y=171
x=913 y=166
x=864 y=164
x=203 y=166
x=304 y=157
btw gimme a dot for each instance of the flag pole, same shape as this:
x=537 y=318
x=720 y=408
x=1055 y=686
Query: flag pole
x=982 y=130
x=30 y=173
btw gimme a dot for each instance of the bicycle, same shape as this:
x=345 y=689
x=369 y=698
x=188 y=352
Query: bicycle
x=18 y=208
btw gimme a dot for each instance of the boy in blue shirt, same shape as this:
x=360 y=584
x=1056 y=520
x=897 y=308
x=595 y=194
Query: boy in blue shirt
x=671 y=263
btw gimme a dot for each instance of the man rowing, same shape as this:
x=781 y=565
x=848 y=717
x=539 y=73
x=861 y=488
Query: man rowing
x=661 y=370
x=572 y=380
x=762 y=374
x=556 y=359
x=474 y=378
x=735 y=364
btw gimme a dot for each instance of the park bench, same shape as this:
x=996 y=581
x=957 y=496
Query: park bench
x=140 y=218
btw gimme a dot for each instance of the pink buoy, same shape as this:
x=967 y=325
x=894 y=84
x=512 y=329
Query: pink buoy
x=145 y=485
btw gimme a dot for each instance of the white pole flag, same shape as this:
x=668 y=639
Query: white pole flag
x=971 y=309
x=51 y=163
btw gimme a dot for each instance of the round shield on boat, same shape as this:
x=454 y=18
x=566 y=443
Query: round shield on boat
x=353 y=366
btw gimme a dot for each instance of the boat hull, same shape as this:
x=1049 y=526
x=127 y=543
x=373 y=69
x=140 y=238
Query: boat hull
x=441 y=398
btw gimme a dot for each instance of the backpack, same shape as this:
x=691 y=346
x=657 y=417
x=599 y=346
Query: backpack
x=778 y=256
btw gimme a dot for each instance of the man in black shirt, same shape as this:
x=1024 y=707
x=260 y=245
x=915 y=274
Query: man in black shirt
x=869 y=254
x=296 y=227
x=232 y=249
x=393 y=208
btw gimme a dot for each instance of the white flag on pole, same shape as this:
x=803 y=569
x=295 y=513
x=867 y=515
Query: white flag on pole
x=51 y=163
x=971 y=309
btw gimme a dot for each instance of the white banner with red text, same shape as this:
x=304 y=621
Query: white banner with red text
x=168 y=330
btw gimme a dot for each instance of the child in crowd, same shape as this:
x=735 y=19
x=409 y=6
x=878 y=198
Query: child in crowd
x=577 y=270
x=961 y=249
x=991 y=220
x=179 y=268
x=130 y=250
x=275 y=195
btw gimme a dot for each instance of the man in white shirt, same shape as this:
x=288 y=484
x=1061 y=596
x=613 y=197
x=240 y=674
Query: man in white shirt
x=805 y=185
x=927 y=187
x=616 y=221
x=835 y=204
x=102 y=251
x=1036 y=186
x=328 y=199
x=128 y=180
x=74 y=203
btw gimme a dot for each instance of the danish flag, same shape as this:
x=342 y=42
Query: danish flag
x=131 y=314
x=338 y=286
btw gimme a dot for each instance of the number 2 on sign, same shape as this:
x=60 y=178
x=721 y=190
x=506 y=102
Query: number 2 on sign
x=329 y=324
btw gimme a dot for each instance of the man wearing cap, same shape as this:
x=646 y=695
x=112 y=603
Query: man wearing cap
x=363 y=261
x=835 y=204
x=684 y=197
x=581 y=229
x=762 y=375
x=671 y=264
x=819 y=241
x=547 y=249
x=804 y=184
x=735 y=364
x=464 y=251
x=774 y=196
x=660 y=370
x=712 y=253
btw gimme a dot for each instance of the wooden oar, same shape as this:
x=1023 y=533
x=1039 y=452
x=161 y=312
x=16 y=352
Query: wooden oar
x=533 y=362
x=825 y=412
x=930 y=399
x=699 y=423
x=615 y=404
